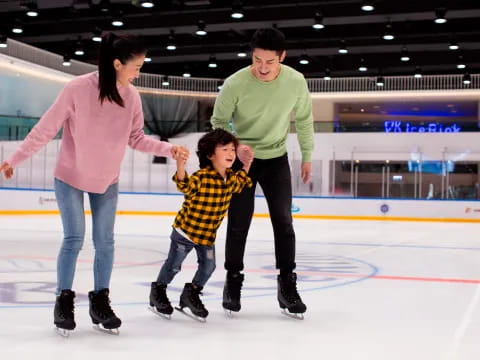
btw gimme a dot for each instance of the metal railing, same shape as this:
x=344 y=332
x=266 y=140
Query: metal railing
x=208 y=85
x=394 y=83
x=13 y=128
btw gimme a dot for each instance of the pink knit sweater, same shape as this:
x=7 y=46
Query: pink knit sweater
x=94 y=137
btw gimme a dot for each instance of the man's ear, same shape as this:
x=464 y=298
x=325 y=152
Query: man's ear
x=282 y=55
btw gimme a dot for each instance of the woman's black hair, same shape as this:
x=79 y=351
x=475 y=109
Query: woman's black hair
x=123 y=48
x=268 y=39
x=208 y=143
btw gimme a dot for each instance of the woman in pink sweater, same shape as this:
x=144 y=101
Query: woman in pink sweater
x=101 y=113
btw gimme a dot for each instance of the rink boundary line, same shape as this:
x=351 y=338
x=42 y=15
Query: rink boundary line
x=295 y=216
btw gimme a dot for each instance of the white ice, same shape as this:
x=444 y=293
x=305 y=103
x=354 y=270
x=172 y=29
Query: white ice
x=374 y=290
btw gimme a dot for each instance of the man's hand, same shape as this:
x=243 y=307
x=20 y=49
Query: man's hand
x=245 y=154
x=306 y=172
x=7 y=170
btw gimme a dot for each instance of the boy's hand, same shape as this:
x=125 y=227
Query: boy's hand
x=180 y=153
x=245 y=154
x=7 y=170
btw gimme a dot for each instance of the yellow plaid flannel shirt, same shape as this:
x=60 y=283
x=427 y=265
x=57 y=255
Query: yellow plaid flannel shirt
x=207 y=198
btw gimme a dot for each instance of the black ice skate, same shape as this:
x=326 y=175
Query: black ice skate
x=190 y=299
x=231 y=292
x=63 y=317
x=159 y=303
x=102 y=314
x=288 y=297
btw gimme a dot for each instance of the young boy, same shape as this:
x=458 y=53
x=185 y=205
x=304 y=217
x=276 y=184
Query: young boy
x=207 y=197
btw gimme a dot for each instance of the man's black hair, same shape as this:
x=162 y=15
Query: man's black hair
x=268 y=39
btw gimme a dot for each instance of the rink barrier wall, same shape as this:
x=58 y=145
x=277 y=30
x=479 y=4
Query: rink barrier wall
x=42 y=202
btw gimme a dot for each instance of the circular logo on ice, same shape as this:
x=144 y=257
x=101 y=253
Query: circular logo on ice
x=384 y=208
x=295 y=208
x=325 y=271
x=314 y=272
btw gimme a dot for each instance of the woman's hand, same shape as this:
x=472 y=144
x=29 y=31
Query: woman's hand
x=180 y=153
x=7 y=170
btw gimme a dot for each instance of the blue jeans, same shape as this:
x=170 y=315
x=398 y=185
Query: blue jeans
x=179 y=249
x=103 y=206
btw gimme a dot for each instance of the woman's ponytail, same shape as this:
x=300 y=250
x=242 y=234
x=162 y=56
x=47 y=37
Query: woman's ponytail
x=123 y=48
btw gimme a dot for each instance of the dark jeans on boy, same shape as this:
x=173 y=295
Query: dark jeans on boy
x=180 y=247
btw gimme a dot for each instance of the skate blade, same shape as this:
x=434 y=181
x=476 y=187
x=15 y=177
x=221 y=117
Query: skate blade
x=63 y=332
x=229 y=313
x=297 y=316
x=162 y=315
x=100 y=328
x=190 y=315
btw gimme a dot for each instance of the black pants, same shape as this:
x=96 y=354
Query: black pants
x=274 y=177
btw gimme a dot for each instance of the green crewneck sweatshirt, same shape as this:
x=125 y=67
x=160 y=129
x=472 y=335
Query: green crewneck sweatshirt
x=261 y=111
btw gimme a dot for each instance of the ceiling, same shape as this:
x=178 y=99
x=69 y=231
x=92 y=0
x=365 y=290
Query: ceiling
x=62 y=24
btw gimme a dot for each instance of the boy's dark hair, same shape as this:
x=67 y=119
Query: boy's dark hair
x=208 y=143
x=268 y=39
x=123 y=48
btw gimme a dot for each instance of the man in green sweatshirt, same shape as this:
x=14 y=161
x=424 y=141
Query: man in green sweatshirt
x=257 y=103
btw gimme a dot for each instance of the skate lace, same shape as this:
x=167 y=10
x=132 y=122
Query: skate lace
x=67 y=307
x=161 y=296
x=104 y=309
x=291 y=293
x=195 y=300
x=235 y=288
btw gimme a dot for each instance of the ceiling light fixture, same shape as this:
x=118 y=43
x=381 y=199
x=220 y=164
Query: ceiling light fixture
x=418 y=73
x=453 y=45
x=237 y=11
x=327 y=75
x=3 y=41
x=171 y=41
x=388 y=34
x=362 y=67
x=17 y=28
x=117 y=21
x=318 y=21
x=186 y=72
x=212 y=62
x=466 y=79
x=367 y=6
x=32 y=9
x=304 y=60
x=147 y=4
x=243 y=52
x=440 y=16
x=165 y=81
x=66 y=60
x=343 y=48
x=97 y=35
x=201 y=31
x=104 y=6
x=404 y=55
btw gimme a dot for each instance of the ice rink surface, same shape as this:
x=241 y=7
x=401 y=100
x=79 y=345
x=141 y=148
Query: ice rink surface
x=374 y=290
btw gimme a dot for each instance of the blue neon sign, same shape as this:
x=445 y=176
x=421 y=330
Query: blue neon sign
x=391 y=126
